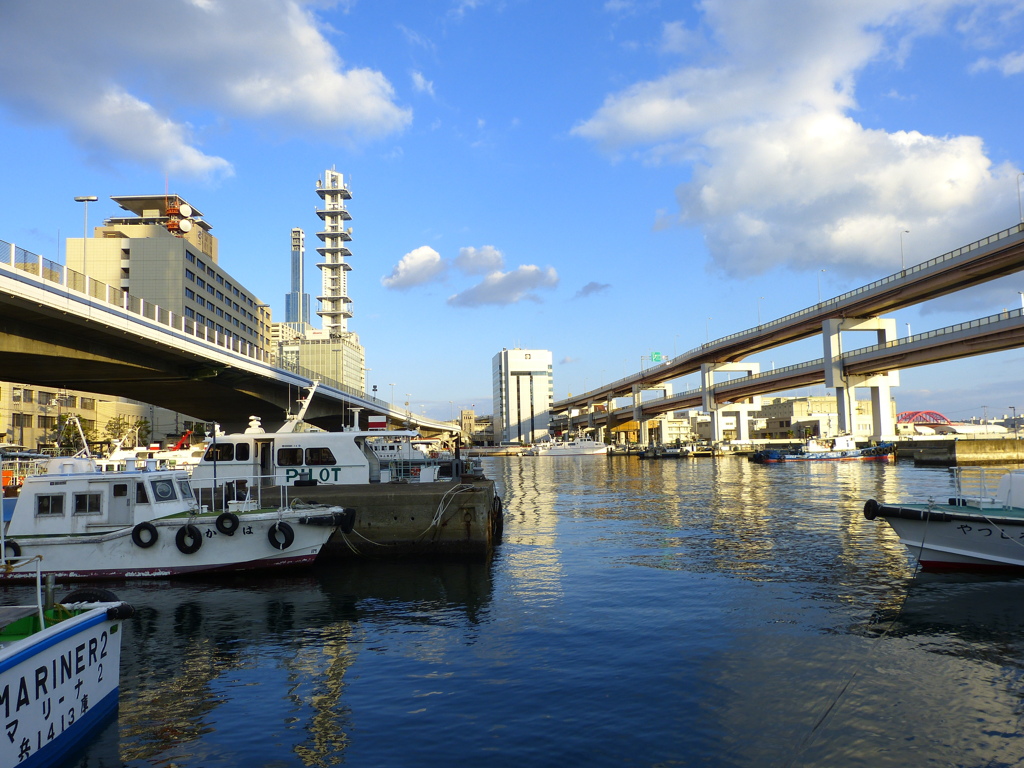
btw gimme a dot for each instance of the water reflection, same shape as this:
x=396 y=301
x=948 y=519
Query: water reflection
x=697 y=612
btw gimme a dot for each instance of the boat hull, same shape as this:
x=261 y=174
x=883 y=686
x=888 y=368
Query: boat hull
x=878 y=453
x=59 y=686
x=120 y=555
x=946 y=537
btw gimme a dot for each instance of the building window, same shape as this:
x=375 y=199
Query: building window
x=190 y=294
x=189 y=256
x=27 y=396
x=88 y=404
x=201 y=265
x=21 y=420
x=201 y=319
x=46 y=422
x=200 y=282
x=190 y=313
x=190 y=275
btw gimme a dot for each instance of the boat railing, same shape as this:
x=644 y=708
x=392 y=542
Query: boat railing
x=977 y=486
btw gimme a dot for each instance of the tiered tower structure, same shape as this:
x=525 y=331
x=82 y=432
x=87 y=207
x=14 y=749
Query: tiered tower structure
x=335 y=305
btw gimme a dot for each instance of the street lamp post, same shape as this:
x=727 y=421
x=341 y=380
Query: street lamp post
x=1013 y=410
x=903 y=265
x=1020 y=208
x=85 y=232
x=819 y=285
x=707 y=330
x=392 y=385
x=759 y=300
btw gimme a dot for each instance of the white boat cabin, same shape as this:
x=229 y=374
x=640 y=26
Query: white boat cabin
x=74 y=497
x=290 y=458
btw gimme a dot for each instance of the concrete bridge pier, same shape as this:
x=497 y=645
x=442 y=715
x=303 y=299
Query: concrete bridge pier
x=718 y=410
x=883 y=425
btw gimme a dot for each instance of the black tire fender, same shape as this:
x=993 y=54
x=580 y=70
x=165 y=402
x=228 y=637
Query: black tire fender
x=188 y=539
x=280 y=535
x=144 y=535
x=90 y=595
x=12 y=548
x=227 y=523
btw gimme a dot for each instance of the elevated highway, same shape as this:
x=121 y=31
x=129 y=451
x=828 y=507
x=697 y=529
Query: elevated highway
x=59 y=329
x=991 y=257
x=977 y=337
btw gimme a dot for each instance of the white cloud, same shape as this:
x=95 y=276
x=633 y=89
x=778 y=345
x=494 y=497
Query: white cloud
x=417 y=267
x=781 y=172
x=261 y=60
x=1010 y=64
x=503 y=288
x=421 y=85
x=479 y=261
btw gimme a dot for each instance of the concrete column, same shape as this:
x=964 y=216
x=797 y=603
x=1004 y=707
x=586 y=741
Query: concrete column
x=707 y=381
x=845 y=386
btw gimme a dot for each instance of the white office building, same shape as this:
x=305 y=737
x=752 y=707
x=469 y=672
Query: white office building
x=523 y=392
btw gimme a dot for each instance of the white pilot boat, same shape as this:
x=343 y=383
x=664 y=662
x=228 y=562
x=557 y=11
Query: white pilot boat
x=981 y=527
x=59 y=672
x=146 y=522
x=297 y=455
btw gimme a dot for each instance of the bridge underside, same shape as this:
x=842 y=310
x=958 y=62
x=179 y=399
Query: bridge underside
x=40 y=350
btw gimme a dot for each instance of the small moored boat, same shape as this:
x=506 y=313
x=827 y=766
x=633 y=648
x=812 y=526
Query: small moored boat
x=841 y=448
x=59 y=672
x=980 y=527
x=147 y=522
x=577 y=446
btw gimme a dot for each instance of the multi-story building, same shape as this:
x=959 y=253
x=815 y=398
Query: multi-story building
x=296 y=303
x=166 y=255
x=813 y=416
x=31 y=415
x=523 y=393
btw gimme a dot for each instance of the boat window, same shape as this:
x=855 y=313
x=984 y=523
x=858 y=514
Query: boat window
x=221 y=452
x=289 y=457
x=141 y=497
x=120 y=489
x=242 y=452
x=319 y=457
x=163 y=490
x=50 y=504
x=185 y=488
x=87 y=504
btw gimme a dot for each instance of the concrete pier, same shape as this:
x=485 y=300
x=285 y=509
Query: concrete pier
x=449 y=519
x=961 y=452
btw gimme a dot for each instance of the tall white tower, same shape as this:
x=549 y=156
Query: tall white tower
x=335 y=305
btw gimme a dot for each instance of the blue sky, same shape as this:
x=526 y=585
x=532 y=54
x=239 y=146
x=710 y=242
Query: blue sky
x=601 y=179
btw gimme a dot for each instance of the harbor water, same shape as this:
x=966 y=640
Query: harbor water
x=696 y=612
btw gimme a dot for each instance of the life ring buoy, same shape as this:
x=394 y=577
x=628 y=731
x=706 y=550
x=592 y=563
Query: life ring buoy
x=287 y=535
x=188 y=539
x=227 y=523
x=12 y=548
x=147 y=540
